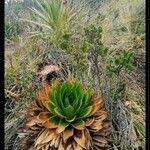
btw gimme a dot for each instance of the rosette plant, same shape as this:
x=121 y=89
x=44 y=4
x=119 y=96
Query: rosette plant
x=66 y=116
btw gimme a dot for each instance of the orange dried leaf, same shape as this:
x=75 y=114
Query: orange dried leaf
x=80 y=139
x=67 y=134
x=43 y=117
x=50 y=125
x=89 y=121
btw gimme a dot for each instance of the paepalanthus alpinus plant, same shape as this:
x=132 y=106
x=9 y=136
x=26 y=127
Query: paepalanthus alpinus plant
x=66 y=116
